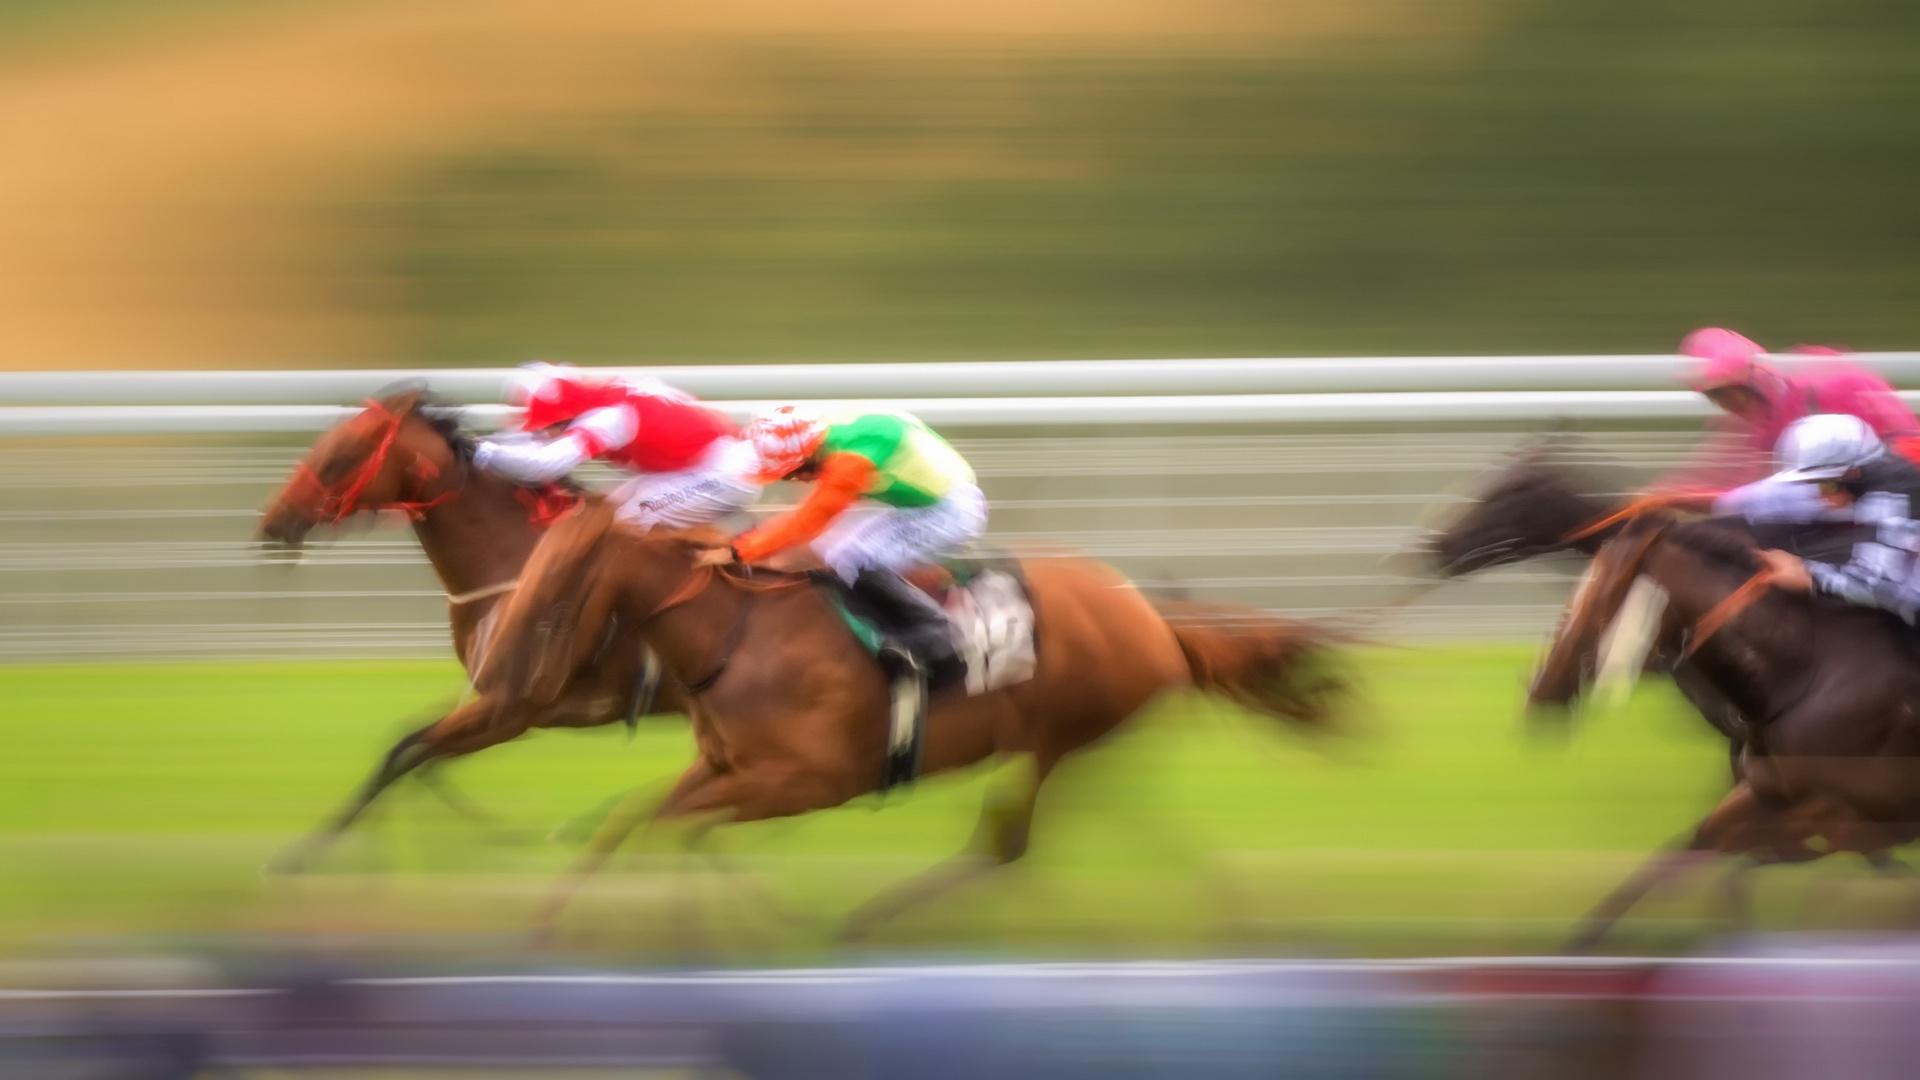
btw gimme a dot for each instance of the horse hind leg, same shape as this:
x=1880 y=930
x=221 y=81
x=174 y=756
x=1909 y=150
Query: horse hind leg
x=1728 y=828
x=1000 y=838
x=703 y=796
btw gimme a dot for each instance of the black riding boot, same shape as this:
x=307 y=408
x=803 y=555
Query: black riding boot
x=918 y=624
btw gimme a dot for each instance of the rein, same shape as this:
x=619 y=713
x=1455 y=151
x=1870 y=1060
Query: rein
x=1645 y=504
x=1601 y=524
x=697 y=583
x=1724 y=612
x=1627 y=513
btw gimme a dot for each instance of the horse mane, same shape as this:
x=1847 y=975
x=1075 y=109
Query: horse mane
x=447 y=420
x=1570 y=462
x=1724 y=542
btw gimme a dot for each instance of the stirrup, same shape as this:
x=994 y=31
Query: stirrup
x=899 y=660
x=906 y=715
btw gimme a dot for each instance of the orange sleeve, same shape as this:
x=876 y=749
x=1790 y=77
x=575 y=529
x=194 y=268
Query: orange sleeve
x=843 y=477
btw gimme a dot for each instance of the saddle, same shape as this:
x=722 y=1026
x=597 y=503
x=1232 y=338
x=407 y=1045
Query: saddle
x=989 y=621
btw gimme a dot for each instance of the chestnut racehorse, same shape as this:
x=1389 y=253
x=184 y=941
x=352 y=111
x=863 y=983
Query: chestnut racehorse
x=790 y=712
x=401 y=454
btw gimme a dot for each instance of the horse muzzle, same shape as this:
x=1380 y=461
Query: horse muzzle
x=282 y=536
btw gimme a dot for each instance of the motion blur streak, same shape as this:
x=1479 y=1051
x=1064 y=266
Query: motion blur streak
x=110 y=554
x=417 y=185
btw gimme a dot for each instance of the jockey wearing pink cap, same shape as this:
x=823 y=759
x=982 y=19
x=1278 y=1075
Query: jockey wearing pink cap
x=693 y=467
x=1761 y=400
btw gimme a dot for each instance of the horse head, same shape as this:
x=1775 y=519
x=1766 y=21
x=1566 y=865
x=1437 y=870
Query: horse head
x=397 y=453
x=1574 y=653
x=1527 y=507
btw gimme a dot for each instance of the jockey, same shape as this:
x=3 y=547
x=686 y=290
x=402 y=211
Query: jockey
x=1761 y=400
x=1852 y=471
x=922 y=504
x=693 y=467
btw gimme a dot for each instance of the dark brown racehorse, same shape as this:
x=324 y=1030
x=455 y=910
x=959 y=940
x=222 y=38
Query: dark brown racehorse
x=402 y=455
x=790 y=712
x=1541 y=502
x=1832 y=753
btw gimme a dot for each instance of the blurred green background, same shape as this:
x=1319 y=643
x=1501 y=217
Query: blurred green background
x=139 y=802
x=404 y=182
x=201 y=182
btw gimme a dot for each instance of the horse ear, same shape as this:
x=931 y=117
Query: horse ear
x=404 y=396
x=1559 y=436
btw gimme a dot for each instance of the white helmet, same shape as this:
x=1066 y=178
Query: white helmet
x=1825 y=446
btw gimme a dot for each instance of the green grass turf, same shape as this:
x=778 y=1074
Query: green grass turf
x=141 y=800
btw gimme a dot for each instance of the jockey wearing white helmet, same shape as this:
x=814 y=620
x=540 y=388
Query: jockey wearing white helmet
x=691 y=465
x=1843 y=465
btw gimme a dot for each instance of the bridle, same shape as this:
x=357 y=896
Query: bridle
x=334 y=504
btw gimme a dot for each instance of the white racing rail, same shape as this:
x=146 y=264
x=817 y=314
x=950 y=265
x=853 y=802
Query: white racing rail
x=1437 y=406
x=986 y=394
x=973 y=379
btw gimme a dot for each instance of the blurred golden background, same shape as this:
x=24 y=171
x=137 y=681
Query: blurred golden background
x=350 y=182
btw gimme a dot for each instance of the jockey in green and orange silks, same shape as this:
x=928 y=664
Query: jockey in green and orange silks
x=888 y=495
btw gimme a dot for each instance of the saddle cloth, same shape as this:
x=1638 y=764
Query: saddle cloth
x=989 y=616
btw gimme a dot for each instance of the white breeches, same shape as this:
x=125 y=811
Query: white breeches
x=899 y=538
x=720 y=483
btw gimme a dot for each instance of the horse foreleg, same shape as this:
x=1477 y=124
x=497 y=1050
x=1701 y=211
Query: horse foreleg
x=635 y=810
x=1736 y=893
x=433 y=779
x=1719 y=831
x=1000 y=838
x=466 y=729
x=298 y=855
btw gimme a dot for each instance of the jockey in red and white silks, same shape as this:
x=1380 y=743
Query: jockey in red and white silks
x=691 y=466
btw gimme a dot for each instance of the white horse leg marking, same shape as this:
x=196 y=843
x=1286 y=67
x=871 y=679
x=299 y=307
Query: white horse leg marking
x=1628 y=640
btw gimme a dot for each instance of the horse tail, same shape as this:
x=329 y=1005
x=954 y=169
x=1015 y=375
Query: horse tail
x=1283 y=668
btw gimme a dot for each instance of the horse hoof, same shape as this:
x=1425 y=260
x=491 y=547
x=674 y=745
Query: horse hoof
x=855 y=932
x=285 y=864
x=1581 y=945
x=517 y=838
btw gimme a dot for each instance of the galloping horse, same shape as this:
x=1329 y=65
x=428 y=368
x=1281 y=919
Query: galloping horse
x=1833 y=748
x=1540 y=503
x=402 y=454
x=790 y=712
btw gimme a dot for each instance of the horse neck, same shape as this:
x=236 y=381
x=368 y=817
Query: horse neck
x=479 y=539
x=1739 y=660
x=1583 y=510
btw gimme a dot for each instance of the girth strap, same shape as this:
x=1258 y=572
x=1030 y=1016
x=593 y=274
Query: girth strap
x=1727 y=610
x=734 y=633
